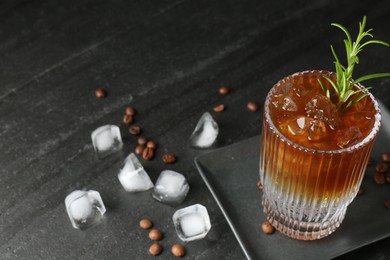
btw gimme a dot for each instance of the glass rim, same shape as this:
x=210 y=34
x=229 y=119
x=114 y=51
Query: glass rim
x=366 y=140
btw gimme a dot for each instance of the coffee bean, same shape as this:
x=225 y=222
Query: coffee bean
x=267 y=228
x=142 y=140
x=169 y=158
x=379 y=178
x=178 y=250
x=100 y=93
x=155 y=249
x=381 y=167
x=139 y=149
x=219 y=108
x=386 y=157
x=388 y=177
x=145 y=223
x=387 y=204
x=130 y=111
x=127 y=119
x=223 y=90
x=259 y=185
x=252 y=106
x=151 y=145
x=135 y=130
x=147 y=153
x=155 y=235
x=360 y=191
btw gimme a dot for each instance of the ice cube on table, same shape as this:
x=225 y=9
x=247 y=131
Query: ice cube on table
x=171 y=188
x=84 y=208
x=133 y=176
x=192 y=223
x=205 y=133
x=106 y=140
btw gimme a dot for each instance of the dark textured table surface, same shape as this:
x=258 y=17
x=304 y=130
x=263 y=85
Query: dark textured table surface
x=167 y=59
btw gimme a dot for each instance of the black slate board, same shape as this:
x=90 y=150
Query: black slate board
x=231 y=174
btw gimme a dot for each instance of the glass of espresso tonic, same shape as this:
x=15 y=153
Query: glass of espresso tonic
x=313 y=155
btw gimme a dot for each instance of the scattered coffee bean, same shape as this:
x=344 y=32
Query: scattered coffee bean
x=151 y=145
x=387 y=204
x=145 y=223
x=219 y=108
x=135 y=130
x=223 y=90
x=127 y=119
x=100 y=93
x=381 y=167
x=147 y=153
x=267 y=228
x=155 y=235
x=139 y=149
x=169 y=158
x=388 y=177
x=252 y=106
x=155 y=249
x=178 y=250
x=386 y=157
x=360 y=191
x=259 y=185
x=142 y=140
x=379 y=178
x=130 y=111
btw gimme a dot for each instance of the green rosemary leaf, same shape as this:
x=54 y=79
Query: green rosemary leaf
x=348 y=105
x=376 y=42
x=322 y=85
x=347 y=47
x=347 y=95
x=332 y=83
x=358 y=99
x=335 y=55
x=355 y=59
x=339 y=72
x=345 y=31
x=362 y=25
x=370 y=76
x=344 y=86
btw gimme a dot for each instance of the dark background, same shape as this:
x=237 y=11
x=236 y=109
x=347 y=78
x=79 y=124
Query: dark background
x=170 y=57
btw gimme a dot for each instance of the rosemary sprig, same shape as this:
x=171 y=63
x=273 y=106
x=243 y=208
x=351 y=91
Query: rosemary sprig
x=343 y=86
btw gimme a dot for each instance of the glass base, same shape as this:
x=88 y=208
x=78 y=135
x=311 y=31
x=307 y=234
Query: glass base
x=299 y=229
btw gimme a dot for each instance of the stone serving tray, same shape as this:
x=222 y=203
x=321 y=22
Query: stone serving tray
x=231 y=174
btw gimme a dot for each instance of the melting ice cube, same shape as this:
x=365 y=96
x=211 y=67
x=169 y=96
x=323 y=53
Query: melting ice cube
x=192 y=222
x=302 y=90
x=348 y=137
x=205 y=133
x=284 y=103
x=317 y=130
x=133 y=176
x=299 y=125
x=321 y=108
x=303 y=127
x=106 y=140
x=171 y=188
x=85 y=208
